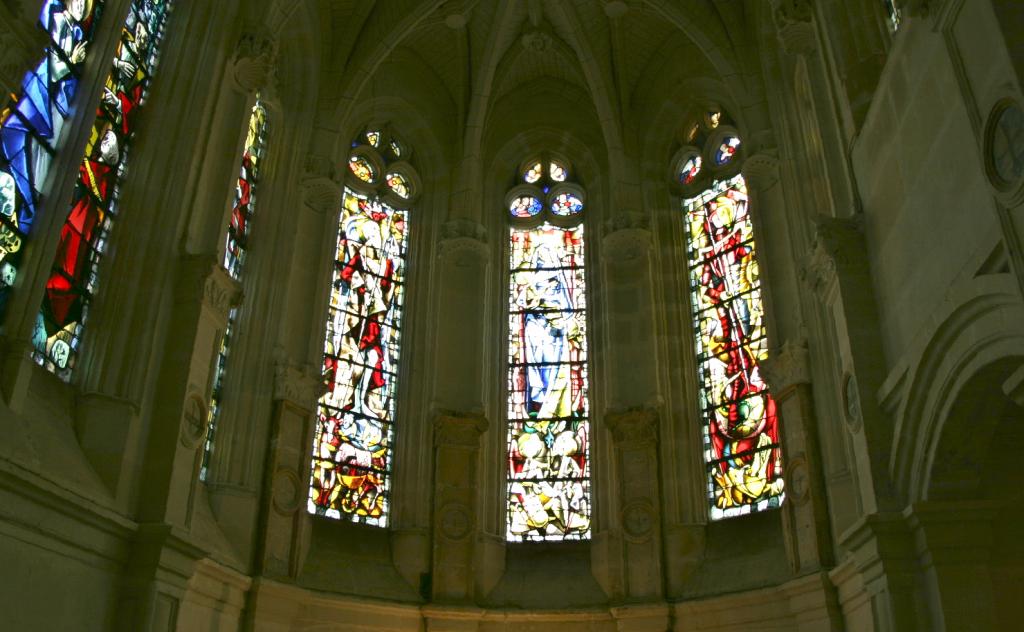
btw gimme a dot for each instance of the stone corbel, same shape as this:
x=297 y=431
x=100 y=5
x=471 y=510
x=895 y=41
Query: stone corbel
x=321 y=190
x=627 y=238
x=464 y=243
x=201 y=277
x=254 y=65
x=787 y=368
x=794 y=21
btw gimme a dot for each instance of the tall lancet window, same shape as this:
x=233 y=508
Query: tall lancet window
x=94 y=206
x=236 y=247
x=740 y=427
x=31 y=124
x=548 y=482
x=352 y=447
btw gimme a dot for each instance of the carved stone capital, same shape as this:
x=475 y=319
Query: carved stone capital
x=464 y=243
x=787 y=368
x=460 y=430
x=627 y=238
x=838 y=244
x=634 y=426
x=321 y=190
x=794 y=21
x=761 y=170
x=297 y=384
x=254 y=64
x=202 y=278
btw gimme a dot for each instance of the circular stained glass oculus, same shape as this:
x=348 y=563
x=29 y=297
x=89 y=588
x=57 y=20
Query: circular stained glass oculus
x=566 y=203
x=727 y=150
x=524 y=206
x=399 y=184
x=362 y=168
x=690 y=169
x=373 y=137
x=557 y=172
x=533 y=173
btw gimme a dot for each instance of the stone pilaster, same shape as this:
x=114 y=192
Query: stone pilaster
x=838 y=272
x=457 y=453
x=284 y=536
x=462 y=281
x=955 y=547
x=204 y=294
x=806 y=517
x=635 y=433
x=628 y=299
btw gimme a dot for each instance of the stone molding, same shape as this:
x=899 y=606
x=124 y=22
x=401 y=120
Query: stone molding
x=297 y=384
x=464 y=242
x=634 y=426
x=787 y=368
x=201 y=277
x=254 y=64
x=455 y=429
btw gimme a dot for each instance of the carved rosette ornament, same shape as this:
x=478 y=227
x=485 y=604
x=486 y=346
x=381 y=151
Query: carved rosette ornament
x=254 y=64
x=794 y=21
x=201 y=277
x=464 y=243
x=298 y=384
x=787 y=368
x=627 y=238
x=320 y=188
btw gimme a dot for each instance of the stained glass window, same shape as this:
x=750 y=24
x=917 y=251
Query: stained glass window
x=690 y=170
x=526 y=206
x=352 y=447
x=31 y=125
x=94 y=207
x=235 y=248
x=740 y=424
x=895 y=15
x=548 y=411
x=533 y=173
x=362 y=168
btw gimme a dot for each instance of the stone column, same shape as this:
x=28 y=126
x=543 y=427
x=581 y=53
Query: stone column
x=838 y=272
x=635 y=433
x=806 y=518
x=284 y=531
x=954 y=543
x=456 y=456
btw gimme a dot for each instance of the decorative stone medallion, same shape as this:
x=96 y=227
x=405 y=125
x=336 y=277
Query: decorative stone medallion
x=193 y=423
x=1004 y=150
x=286 y=495
x=851 y=402
x=798 y=480
x=456 y=521
x=638 y=520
